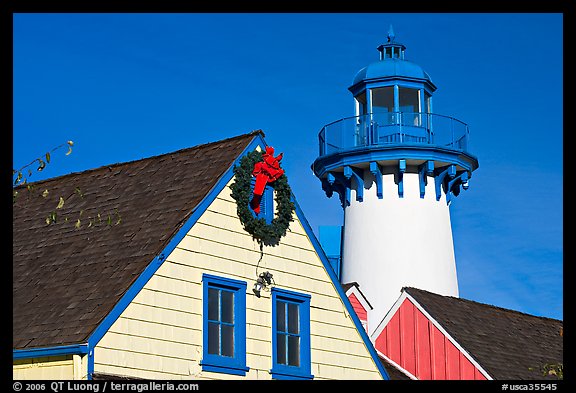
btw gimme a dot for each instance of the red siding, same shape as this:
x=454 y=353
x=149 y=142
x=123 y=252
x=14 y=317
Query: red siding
x=423 y=354
x=357 y=306
x=466 y=368
x=413 y=342
x=393 y=338
x=382 y=342
x=452 y=361
x=438 y=353
x=407 y=338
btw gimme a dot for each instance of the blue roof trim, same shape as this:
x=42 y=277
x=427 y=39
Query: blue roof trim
x=155 y=264
x=77 y=349
x=336 y=282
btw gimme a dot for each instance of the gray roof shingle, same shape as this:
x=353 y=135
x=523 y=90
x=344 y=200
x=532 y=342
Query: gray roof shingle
x=67 y=279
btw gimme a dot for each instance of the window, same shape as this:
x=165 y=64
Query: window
x=361 y=103
x=383 y=99
x=409 y=101
x=224 y=325
x=266 y=203
x=290 y=335
x=409 y=106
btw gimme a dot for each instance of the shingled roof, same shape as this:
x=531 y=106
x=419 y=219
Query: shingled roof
x=508 y=344
x=67 y=279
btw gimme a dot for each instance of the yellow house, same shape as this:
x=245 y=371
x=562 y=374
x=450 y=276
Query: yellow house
x=149 y=273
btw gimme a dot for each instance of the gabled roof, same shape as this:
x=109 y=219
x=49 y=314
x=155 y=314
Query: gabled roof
x=66 y=279
x=508 y=344
x=355 y=287
x=70 y=284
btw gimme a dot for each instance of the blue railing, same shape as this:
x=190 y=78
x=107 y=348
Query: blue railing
x=394 y=128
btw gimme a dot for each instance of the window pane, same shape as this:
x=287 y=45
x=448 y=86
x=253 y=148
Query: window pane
x=213 y=311
x=281 y=316
x=227 y=305
x=293 y=318
x=227 y=340
x=361 y=98
x=213 y=338
x=383 y=100
x=281 y=348
x=294 y=351
x=409 y=101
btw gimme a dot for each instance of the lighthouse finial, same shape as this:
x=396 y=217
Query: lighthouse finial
x=391 y=34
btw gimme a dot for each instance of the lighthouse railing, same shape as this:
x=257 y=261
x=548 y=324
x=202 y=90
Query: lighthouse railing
x=394 y=128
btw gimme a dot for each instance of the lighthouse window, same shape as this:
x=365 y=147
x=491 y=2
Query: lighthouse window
x=428 y=102
x=361 y=102
x=383 y=103
x=409 y=101
x=409 y=106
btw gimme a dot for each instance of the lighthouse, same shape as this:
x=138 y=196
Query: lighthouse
x=396 y=166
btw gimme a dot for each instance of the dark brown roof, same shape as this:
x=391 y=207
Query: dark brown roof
x=508 y=344
x=394 y=373
x=67 y=279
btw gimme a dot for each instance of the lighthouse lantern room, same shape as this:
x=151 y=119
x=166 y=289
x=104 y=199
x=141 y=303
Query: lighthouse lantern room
x=396 y=167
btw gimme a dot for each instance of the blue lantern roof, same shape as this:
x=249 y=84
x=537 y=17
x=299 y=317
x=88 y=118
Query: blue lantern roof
x=392 y=65
x=391 y=68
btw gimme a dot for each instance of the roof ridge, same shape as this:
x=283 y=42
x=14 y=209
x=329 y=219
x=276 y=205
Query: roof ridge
x=408 y=289
x=113 y=165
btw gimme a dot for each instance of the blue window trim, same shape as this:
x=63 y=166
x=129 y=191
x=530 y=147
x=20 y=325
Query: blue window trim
x=281 y=371
x=215 y=363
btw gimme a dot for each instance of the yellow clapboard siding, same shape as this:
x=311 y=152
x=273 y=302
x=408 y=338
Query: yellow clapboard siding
x=226 y=196
x=231 y=224
x=151 y=329
x=144 y=361
x=137 y=373
x=172 y=301
x=163 y=315
x=47 y=368
x=164 y=280
x=344 y=372
x=336 y=331
x=344 y=360
x=159 y=335
x=165 y=348
x=337 y=345
x=207 y=254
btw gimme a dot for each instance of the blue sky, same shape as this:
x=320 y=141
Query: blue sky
x=128 y=86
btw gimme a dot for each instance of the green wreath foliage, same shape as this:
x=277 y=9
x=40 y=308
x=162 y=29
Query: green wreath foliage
x=263 y=233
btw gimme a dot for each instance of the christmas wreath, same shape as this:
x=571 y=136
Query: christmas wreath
x=265 y=167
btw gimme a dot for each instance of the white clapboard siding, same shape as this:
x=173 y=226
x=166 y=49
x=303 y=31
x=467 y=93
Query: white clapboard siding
x=159 y=335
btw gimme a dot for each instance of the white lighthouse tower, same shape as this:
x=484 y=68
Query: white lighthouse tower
x=396 y=167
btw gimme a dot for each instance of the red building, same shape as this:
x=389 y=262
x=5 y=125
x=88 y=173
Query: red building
x=428 y=336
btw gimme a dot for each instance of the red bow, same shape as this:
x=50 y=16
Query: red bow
x=266 y=171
